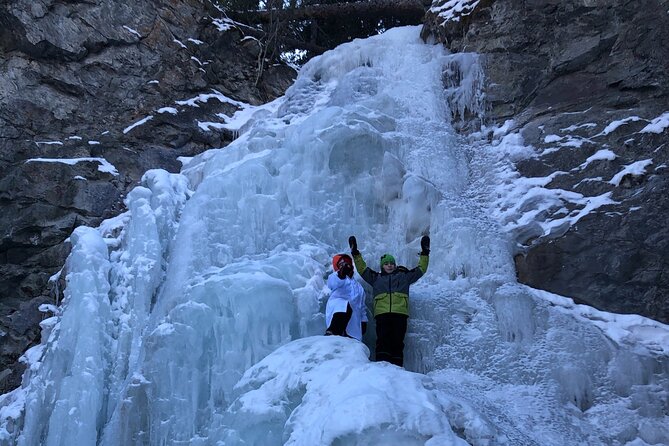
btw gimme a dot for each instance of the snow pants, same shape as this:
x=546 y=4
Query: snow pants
x=390 y=331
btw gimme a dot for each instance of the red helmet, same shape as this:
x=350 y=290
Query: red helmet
x=336 y=260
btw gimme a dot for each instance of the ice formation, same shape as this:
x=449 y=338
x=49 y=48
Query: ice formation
x=194 y=317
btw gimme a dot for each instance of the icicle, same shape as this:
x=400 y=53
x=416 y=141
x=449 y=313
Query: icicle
x=464 y=80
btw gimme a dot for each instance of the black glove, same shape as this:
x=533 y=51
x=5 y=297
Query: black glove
x=353 y=243
x=425 y=245
x=344 y=271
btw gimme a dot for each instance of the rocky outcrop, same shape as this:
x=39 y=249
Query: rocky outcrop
x=111 y=89
x=586 y=83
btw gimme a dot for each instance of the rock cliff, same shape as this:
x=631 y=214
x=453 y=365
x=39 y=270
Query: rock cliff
x=586 y=83
x=111 y=89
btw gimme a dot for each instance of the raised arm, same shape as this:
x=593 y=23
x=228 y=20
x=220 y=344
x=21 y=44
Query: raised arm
x=368 y=275
x=423 y=261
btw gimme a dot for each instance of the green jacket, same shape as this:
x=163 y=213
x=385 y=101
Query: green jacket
x=391 y=291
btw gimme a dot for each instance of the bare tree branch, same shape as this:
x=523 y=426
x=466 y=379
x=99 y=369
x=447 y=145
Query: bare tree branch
x=361 y=9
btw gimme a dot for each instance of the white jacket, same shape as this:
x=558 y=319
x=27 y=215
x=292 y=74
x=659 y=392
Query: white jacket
x=346 y=291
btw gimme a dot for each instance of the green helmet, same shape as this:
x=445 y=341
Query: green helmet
x=387 y=258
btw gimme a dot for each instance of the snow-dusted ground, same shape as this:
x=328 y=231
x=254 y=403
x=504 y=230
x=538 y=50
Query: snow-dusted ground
x=194 y=317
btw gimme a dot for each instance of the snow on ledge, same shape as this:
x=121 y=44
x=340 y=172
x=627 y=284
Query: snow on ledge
x=224 y=24
x=453 y=10
x=205 y=97
x=526 y=205
x=657 y=125
x=600 y=155
x=626 y=329
x=132 y=31
x=637 y=168
x=207 y=126
x=137 y=124
x=170 y=110
x=104 y=165
x=615 y=124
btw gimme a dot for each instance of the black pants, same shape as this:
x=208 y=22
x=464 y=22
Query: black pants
x=340 y=322
x=390 y=331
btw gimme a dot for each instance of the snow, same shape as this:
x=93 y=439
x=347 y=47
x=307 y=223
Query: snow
x=585 y=125
x=205 y=97
x=503 y=129
x=453 y=10
x=552 y=138
x=657 y=125
x=589 y=204
x=635 y=169
x=522 y=202
x=170 y=110
x=50 y=143
x=512 y=147
x=569 y=140
x=137 y=124
x=344 y=398
x=247 y=114
x=587 y=180
x=130 y=30
x=243 y=118
x=104 y=165
x=526 y=207
x=224 y=24
x=195 y=317
x=636 y=331
x=184 y=160
x=616 y=124
x=180 y=43
x=578 y=112
x=574 y=141
x=603 y=154
x=206 y=126
x=195 y=41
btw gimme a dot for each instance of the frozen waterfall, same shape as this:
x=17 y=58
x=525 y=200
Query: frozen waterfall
x=195 y=317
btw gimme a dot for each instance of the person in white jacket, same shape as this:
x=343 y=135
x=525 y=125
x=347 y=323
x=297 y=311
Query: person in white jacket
x=345 y=312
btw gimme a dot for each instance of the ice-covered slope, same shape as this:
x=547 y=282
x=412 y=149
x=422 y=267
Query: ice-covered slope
x=179 y=315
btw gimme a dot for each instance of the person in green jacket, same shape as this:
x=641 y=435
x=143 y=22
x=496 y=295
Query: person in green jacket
x=391 y=298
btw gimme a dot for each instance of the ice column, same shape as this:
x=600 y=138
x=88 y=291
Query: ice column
x=69 y=385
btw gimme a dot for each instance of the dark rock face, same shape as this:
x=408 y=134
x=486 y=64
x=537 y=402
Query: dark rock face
x=74 y=77
x=579 y=77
